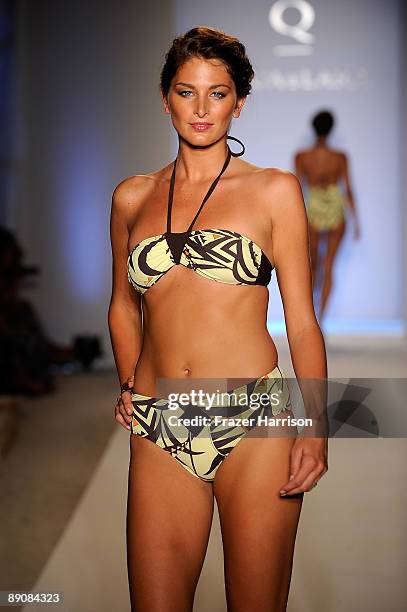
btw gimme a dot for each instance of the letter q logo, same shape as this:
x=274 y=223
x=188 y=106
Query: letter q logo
x=299 y=31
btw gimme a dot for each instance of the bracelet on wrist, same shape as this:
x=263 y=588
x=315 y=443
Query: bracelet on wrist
x=125 y=387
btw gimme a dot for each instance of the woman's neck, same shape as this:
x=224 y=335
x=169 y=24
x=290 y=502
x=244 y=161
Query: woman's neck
x=320 y=142
x=196 y=165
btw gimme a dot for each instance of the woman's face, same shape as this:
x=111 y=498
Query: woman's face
x=202 y=100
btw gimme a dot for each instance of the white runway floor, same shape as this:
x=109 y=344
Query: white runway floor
x=351 y=546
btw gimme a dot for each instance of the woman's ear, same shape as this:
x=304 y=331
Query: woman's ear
x=239 y=105
x=165 y=103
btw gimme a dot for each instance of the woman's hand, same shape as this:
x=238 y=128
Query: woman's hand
x=124 y=407
x=308 y=463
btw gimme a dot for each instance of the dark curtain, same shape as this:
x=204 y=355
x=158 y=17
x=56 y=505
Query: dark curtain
x=7 y=29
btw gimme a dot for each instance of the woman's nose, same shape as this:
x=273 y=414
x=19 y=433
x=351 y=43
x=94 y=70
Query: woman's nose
x=201 y=108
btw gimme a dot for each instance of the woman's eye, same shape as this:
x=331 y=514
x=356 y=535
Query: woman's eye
x=186 y=93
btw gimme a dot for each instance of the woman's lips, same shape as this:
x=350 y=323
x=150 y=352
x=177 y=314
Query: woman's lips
x=201 y=127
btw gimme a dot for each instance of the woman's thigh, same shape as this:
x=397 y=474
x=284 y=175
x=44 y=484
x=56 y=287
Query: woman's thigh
x=258 y=526
x=314 y=239
x=169 y=517
x=334 y=240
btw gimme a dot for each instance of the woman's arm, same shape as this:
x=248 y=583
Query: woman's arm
x=298 y=165
x=124 y=316
x=290 y=248
x=349 y=193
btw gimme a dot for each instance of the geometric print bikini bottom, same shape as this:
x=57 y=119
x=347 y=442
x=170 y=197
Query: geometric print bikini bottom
x=200 y=437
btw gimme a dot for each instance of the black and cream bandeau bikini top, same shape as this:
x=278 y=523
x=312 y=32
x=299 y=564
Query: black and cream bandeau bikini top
x=221 y=255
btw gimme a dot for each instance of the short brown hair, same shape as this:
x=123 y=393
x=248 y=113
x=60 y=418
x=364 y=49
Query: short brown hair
x=209 y=43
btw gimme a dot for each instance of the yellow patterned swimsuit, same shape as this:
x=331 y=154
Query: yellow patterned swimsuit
x=200 y=440
x=326 y=207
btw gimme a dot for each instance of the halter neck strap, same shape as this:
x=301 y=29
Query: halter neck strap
x=241 y=143
x=209 y=192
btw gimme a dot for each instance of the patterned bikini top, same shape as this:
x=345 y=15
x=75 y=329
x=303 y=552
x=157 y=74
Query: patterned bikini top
x=221 y=255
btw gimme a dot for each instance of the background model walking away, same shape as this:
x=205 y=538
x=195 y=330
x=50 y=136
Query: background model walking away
x=322 y=169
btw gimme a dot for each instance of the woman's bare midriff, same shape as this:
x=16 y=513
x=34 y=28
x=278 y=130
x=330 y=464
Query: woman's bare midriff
x=194 y=327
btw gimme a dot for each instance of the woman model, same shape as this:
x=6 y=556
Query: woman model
x=322 y=168
x=194 y=245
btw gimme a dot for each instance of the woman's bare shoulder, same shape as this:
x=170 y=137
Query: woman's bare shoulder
x=134 y=189
x=302 y=153
x=279 y=190
x=274 y=178
x=248 y=170
x=341 y=155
